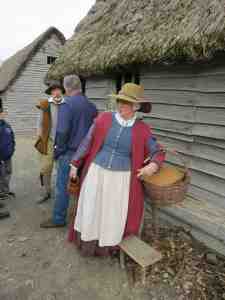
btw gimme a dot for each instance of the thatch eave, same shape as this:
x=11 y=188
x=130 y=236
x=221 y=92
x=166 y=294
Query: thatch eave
x=117 y=34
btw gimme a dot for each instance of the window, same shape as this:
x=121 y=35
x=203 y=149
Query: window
x=50 y=59
x=83 y=85
x=1 y=105
x=137 y=78
x=118 y=83
x=128 y=77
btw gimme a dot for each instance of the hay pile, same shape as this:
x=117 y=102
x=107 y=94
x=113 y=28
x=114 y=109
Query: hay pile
x=187 y=267
x=116 y=33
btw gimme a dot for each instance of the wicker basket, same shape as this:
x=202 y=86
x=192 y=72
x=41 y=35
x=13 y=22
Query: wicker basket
x=73 y=187
x=168 y=195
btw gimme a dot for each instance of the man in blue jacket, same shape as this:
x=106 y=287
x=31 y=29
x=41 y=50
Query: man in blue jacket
x=75 y=117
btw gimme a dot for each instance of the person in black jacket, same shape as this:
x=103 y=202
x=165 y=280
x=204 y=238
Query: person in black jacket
x=7 y=148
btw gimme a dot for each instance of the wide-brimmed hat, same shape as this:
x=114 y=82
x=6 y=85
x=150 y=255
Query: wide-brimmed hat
x=134 y=93
x=54 y=84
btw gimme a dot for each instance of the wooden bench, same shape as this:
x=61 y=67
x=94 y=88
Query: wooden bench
x=142 y=253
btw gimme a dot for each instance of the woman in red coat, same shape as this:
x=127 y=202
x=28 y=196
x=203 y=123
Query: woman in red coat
x=111 y=201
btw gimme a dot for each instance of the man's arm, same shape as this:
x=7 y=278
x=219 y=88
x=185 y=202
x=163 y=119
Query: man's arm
x=40 y=123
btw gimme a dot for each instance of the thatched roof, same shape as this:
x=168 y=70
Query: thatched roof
x=120 y=33
x=12 y=67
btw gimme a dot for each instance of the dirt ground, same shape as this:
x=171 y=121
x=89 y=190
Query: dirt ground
x=39 y=264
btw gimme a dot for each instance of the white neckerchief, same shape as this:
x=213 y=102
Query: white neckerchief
x=51 y=100
x=125 y=123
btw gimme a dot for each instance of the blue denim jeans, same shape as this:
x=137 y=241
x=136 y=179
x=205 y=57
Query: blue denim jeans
x=61 y=195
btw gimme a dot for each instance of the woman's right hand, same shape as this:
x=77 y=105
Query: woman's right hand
x=73 y=172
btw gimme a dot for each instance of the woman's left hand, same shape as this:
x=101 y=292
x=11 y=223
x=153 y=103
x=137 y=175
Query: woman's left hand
x=148 y=170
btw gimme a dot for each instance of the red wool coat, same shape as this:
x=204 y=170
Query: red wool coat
x=141 y=133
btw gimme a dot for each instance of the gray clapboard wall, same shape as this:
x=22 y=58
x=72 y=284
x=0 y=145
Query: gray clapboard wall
x=98 y=90
x=21 y=97
x=189 y=115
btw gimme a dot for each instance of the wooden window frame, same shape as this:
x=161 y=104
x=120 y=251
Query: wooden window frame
x=51 y=59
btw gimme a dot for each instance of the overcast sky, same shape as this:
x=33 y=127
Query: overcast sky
x=23 y=20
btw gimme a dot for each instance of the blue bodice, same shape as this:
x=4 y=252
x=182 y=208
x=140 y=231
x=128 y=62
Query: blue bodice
x=116 y=150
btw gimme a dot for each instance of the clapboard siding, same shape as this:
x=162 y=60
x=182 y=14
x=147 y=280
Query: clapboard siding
x=170 y=125
x=212 y=141
x=210 y=131
x=175 y=136
x=207 y=152
x=204 y=195
x=189 y=115
x=199 y=164
x=21 y=97
x=98 y=82
x=210 y=115
x=186 y=98
x=98 y=90
x=173 y=112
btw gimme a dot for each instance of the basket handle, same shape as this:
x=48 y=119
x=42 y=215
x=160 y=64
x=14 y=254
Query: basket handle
x=173 y=152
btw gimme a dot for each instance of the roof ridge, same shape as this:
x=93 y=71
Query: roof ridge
x=12 y=66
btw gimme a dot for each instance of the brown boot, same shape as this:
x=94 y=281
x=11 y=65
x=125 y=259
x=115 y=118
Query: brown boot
x=49 y=224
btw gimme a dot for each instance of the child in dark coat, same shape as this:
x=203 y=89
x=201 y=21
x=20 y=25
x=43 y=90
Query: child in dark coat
x=7 y=148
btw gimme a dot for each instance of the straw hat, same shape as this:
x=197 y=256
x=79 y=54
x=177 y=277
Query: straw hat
x=134 y=93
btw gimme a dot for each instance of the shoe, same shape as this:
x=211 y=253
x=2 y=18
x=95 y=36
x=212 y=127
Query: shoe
x=4 y=215
x=2 y=205
x=44 y=199
x=7 y=195
x=49 y=224
x=3 y=196
x=11 y=194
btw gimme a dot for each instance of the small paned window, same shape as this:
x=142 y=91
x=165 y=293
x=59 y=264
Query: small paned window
x=50 y=59
x=137 y=78
x=118 y=83
x=83 y=85
x=128 y=77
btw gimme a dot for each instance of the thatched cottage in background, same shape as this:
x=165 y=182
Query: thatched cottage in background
x=176 y=50
x=22 y=79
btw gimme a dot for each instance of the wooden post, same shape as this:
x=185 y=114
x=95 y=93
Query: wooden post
x=122 y=259
x=143 y=275
x=155 y=219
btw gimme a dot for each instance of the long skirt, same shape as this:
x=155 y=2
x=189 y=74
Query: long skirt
x=102 y=208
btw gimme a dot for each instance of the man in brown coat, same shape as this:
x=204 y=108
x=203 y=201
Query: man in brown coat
x=46 y=131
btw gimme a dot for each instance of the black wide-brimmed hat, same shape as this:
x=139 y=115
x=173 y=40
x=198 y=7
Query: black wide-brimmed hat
x=54 y=84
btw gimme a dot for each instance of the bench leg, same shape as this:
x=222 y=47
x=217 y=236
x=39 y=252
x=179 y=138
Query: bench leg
x=155 y=219
x=143 y=275
x=122 y=259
